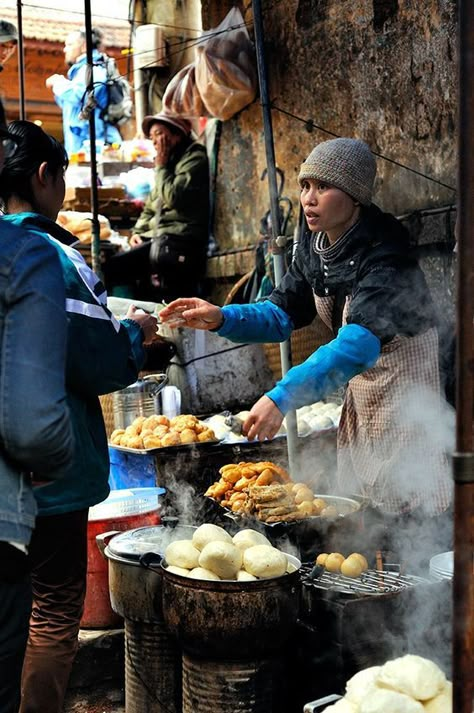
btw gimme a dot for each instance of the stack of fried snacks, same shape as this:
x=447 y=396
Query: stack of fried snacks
x=159 y=432
x=264 y=490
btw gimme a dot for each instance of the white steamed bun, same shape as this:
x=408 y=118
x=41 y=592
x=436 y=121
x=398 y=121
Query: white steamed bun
x=265 y=561
x=418 y=677
x=222 y=558
x=182 y=553
x=209 y=533
x=244 y=539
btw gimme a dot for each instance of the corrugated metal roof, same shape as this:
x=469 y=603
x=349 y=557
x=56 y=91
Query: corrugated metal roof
x=53 y=25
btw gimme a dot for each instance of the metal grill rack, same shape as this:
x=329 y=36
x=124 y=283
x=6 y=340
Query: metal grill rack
x=370 y=583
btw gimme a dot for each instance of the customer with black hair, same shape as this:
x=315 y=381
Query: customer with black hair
x=103 y=355
x=36 y=441
x=70 y=93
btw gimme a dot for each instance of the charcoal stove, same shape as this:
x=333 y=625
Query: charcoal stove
x=232 y=635
x=152 y=657
x=347 y=624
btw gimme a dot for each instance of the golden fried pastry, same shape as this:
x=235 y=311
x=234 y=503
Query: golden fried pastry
x=219 y=489
x=207 y=435
x=163 y=420
x=137 y=424
x=229 y=466
x=135 y=442
x=305 y=507
x=152 y=422
x=241 y=484
x=171 y=439
x=179 y=423
x=266 y=477
x=294 y=515
x=146 y=432
x=267 y=493
x=232 y=475
x=116 y=435
x=152 y=441
x=133 y=429
x=188 y=436
x=160 y=430
x=303 y=494
x=264 y=513
x=318 y=505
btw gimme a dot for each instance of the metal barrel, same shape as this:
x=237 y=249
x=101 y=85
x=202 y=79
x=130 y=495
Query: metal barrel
x=231 y=686
x=152 y=669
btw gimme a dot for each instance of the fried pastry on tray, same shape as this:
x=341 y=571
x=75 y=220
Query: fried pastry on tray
x=268 y=493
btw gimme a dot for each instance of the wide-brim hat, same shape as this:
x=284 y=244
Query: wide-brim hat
x=182 y=124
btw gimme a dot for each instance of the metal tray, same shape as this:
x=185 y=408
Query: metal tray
x=151 y=451
x=352 y=507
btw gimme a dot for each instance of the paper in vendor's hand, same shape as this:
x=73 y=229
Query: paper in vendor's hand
x=192 y=312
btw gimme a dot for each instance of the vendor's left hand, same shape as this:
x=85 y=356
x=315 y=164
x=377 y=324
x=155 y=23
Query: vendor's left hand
x=264 y=420
x=163 y=149
x=147 y=322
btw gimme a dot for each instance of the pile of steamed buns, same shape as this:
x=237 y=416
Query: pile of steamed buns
x=409 y=684
x=214 y=554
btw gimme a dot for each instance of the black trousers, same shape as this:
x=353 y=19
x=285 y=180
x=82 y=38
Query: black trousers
x=15 y=607
x=151 y=280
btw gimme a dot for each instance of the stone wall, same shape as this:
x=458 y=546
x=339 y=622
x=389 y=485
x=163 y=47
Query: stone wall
x=381 y=70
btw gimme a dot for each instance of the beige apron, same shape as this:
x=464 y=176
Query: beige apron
x=392 y=435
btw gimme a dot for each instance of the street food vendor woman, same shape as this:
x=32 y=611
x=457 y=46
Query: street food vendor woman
x=354 y=268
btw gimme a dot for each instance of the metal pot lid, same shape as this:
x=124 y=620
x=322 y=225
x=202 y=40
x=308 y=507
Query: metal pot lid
x=132 y=544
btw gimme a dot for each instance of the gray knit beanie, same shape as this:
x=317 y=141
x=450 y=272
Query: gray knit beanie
x=347 y=164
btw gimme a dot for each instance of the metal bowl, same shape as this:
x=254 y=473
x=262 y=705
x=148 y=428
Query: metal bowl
x=231 y=619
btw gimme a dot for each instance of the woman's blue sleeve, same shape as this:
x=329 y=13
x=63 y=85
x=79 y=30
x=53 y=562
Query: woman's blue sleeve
x=354 y=350
x=259 y=322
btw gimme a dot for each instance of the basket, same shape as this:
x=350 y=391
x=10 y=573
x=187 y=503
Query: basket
x=106 y=402
x=125 y=503
x=303 y=343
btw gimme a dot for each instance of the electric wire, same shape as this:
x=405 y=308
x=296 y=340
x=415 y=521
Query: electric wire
x=189 y=43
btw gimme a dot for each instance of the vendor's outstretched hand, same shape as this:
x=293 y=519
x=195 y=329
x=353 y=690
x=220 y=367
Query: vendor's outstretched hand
x=192 y=312
x=264 y=420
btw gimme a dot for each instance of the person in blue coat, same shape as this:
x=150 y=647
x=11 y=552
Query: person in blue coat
x=70 y=93
x=36 y=441
x=103 y=355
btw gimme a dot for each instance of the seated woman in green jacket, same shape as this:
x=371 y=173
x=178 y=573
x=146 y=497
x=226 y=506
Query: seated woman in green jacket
x=102 y=355
x=169 y=241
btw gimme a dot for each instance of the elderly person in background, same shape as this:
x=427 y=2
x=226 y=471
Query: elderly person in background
x=35 y=430
x=70 y=93
x=170 y=237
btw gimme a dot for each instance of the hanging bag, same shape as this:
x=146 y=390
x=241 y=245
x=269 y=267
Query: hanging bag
x=225 y=67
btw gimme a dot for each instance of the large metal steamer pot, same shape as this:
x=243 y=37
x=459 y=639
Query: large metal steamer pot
x=231 y=619
x=152 y=657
